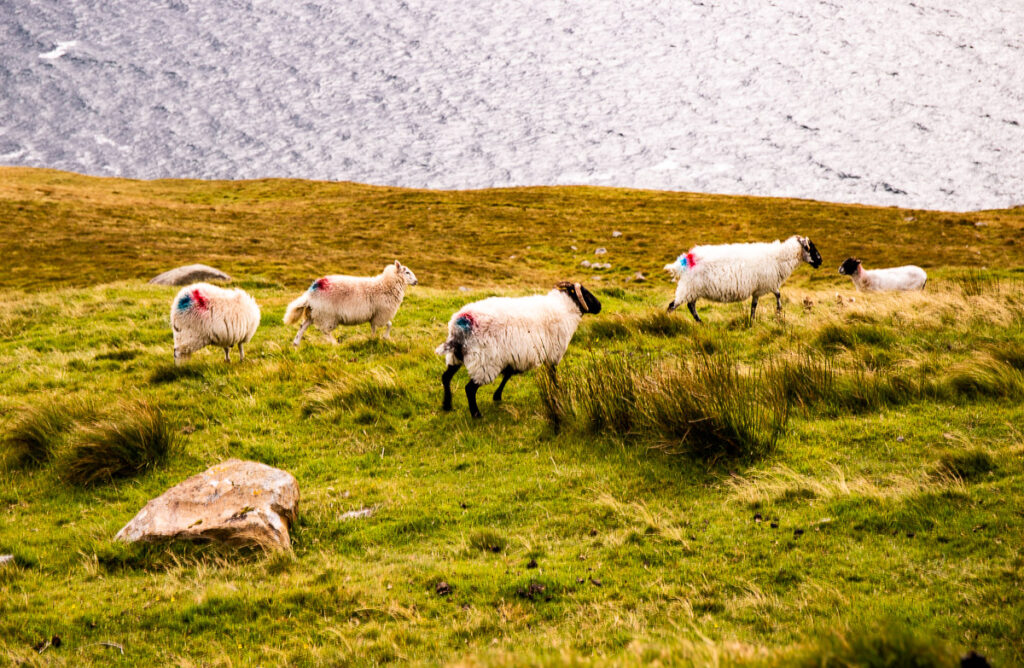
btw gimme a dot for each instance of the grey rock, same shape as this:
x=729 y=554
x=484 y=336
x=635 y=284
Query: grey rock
x=600 y=251
x=236 y=502
x=616 y=234
x=190 y=273
x=585 y=264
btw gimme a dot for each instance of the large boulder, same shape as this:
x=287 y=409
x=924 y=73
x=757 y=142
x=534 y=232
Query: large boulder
x=191 y=273
x=236 y=502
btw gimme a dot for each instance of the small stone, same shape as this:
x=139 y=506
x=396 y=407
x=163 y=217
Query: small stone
x=639 y=277
x=600 y=251
x=900 y=439
x=532 y=563
x=357 y=514
x=757 y=517
x=774 y=524
x=574 y=248
x=443 y=588
x=511 y=257
x=980 y=224
x=616 y=234
x=585 y=264
x=463 y=288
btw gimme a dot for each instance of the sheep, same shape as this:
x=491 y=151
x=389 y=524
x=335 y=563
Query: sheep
x=908 y=277
x=734 y=272
x=509 y=336
x=351 y=300
x=204 y=315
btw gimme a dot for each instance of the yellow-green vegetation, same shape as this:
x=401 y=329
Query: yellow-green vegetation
x=841 y=485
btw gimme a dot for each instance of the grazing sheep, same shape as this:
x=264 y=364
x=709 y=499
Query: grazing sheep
x=908 y=277
x=508 y=336
x=351 y=300
x=734 y=272
x=206 y=315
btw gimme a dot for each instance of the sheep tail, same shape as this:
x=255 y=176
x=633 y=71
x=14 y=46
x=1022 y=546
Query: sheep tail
x=458 y=332
x=297 y=309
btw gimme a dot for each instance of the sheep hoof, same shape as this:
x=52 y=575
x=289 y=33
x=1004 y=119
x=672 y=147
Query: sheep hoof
x=476 y=415
x=447 y=408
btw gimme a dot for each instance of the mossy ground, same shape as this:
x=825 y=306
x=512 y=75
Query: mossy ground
x=900 y=514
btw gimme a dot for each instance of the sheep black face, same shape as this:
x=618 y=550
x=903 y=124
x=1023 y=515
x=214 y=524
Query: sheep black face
x=849 y=266
x=585 y=300
x=810 y=255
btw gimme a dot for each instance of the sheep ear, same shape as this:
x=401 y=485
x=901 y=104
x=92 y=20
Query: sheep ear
x=398 y=265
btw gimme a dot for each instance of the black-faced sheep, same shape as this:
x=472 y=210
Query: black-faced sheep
x=734 y=272
x=508 y=336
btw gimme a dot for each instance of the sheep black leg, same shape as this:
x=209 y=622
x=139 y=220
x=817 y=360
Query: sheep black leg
x=505 y=375
x=693 y=310
x=446 y=380
x=753 y=307
x=471 y=389
x=778 y=303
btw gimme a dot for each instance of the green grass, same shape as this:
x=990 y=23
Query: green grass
x=879 y=523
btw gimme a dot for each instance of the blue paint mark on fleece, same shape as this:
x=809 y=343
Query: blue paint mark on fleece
x=465 y=322
x=185 y=303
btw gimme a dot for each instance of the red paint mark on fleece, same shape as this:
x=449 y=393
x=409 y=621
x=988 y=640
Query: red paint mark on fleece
x=322 y=284
x=691 y=261
x=201 y=302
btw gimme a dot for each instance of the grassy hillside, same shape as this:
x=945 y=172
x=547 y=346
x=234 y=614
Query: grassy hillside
x=881 y=520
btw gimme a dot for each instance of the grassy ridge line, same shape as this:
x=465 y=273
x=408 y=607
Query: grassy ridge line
x=67 y=229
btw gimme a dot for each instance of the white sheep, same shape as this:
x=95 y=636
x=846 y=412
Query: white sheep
x=351 y=300
x=908 y=277
x=734 y=272
x=511 y=335
x=206 y=315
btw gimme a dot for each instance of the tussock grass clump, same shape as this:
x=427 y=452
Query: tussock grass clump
x=706 y=407
x=976 y=282
x=608 y=329
x=487 y=540
x=169 y=373
x=891 y=644
x=373 y=388
x=660 y=323
x=982 y=377
x=118 y=355
x=37 y=433
x=813 y=382
x=834 y=336
x=1010 y=352
x=966 y=465
x=137 y=438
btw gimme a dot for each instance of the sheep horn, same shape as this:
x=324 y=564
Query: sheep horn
x=579 y=296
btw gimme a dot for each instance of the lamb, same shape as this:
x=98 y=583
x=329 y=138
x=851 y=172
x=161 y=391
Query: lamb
x=509 y=336
x=734 y=272
x=204 y=315
x=351 y=300
x=908 y=277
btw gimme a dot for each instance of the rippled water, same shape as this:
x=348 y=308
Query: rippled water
x=880 y=101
